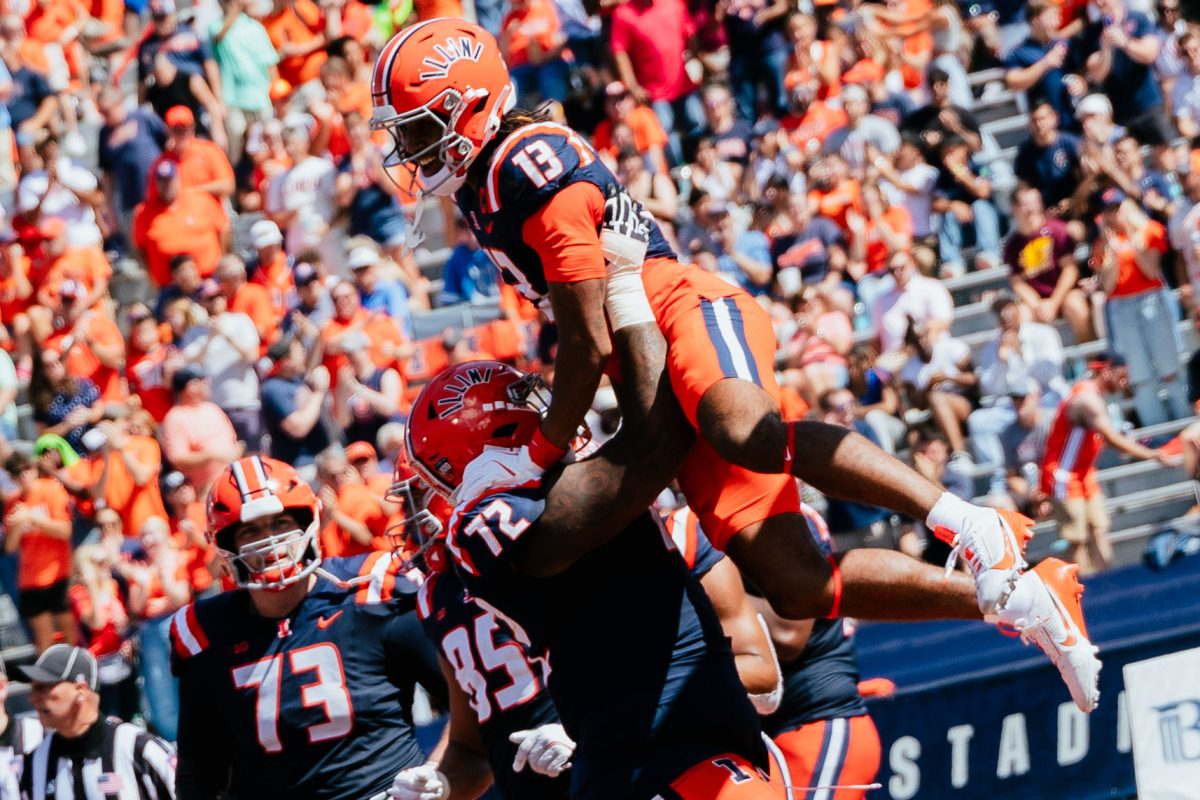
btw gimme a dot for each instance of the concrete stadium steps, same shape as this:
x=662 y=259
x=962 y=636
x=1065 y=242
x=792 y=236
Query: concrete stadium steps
x=460 y=316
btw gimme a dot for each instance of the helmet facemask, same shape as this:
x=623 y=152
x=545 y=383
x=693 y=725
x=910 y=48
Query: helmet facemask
x=454 y=151
x=413 y=540
x=275 y=561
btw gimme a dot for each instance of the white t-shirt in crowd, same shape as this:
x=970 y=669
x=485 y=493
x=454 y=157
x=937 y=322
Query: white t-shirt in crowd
x=919 y=205
x=61 y=202
x=947 y=353
x=924 y=299
x=308 y=188
x=1182 y=227
x=234 y=381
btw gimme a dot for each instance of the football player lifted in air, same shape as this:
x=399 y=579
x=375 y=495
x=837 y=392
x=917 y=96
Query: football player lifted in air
x=298 y=683
x=500 y=712
x=642 y=675
x=564 y=232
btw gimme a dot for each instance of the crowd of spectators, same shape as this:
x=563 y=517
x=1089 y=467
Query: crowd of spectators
x=204 y=256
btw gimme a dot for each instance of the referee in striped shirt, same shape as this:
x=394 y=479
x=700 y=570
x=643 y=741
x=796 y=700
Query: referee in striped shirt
x=86 y=756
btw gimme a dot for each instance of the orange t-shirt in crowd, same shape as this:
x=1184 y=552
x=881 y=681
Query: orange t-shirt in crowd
x=111 y=12
x=192 y=225
x=254 y=301
x=899 y=222
x=146 y=373
x=200 y=162
x=647 y=131
x=85 y=471
x=45 y=559
x=157 y=602
x=192 y=429
x=432 y=9
x=81 y=360
x=382 y=331
x=277 y=278
x=106 y=640
x=84 y=265
x=822 y=52
x=358 y=19
x=865 y=72
x=537 y=22
x=134 y=503
x=198 y=556
x=10 y=304
x=298 y=22
x=837 y=202
x=1130 y=278
x=361 y=504
x=48 y=19
x=820 y=120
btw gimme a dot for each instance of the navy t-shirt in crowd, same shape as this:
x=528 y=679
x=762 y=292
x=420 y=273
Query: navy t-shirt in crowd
x=279 y=401
x=1131 y=86
x=29 y=91
x=808 y=250
x=126 y=152
x=187 y=51
x=1050 y=86
x=734 y=144
x=1052 y=169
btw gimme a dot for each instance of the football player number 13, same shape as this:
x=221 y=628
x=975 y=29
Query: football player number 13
x=327 y=689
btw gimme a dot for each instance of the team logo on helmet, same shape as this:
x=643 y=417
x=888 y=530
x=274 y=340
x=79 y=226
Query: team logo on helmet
x=460 y=49
x=457 y=388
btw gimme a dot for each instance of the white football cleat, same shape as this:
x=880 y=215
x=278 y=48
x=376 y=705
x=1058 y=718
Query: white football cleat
x=992 y=543
x=1045 y=609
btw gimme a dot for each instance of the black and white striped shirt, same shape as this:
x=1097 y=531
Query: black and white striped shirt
x=113 y=760
x=22 y=735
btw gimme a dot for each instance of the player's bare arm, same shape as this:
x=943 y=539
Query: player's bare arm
x=752 y=651
x=584 y=348
x=591 y=501
x=463 y=760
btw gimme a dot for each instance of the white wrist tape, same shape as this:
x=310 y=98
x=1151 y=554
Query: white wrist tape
x=948 y=512
x=768 y=702
x=625 y=301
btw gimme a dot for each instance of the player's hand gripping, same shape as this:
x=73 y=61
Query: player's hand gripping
x=419 y=783
x=624 y=237
x=546 y=749
x=499 y=467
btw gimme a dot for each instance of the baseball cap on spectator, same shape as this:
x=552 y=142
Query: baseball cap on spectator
x=166 y=170
x=616 y=89
x=1107 y=359
x=1094 y=104
x=358 y=451
x=63 y=662
x=183 y=377
x=1111 y=198
x=265 y=233
x=855 y=92
x=179 y=117
x=172 y=481
x=304 y=273
x=161 y=8
x=209 y=289
x=362 y=256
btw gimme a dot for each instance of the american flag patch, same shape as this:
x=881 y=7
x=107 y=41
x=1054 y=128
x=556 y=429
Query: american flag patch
x=109 y=783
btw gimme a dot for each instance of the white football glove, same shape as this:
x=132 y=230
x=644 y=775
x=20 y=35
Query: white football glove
x=419 y=783
x=546 y=749
x=499 y=467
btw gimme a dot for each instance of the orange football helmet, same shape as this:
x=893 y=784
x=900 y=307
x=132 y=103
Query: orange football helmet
x=258 y=490
x=440 y=89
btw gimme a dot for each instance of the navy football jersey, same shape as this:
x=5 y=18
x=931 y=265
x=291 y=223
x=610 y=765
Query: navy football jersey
x=525 y=171
x=506 y=688
x=315 y=705
x=822 y=683
x=642 y=674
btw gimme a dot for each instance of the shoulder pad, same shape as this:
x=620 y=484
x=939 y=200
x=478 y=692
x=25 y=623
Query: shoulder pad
x=684 y=526
x=187 y=637
x=481 y=532
x=530 y=159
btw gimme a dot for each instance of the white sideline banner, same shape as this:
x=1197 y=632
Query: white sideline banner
x=1163 y=696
